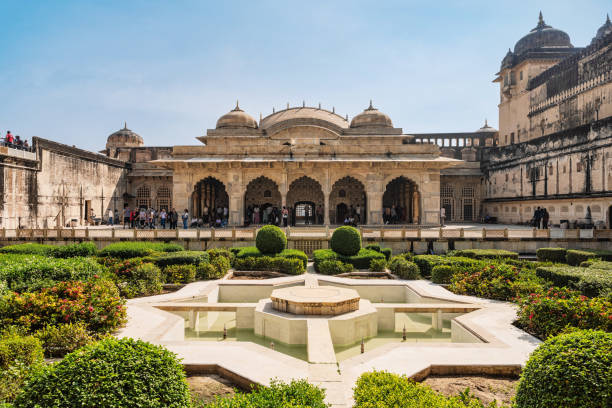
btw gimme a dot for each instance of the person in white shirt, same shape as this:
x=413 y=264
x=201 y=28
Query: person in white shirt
x=442 y=215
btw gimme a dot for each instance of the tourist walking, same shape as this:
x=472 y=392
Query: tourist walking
x=285 y=215
x=162 y=217
x=205 y=214
x=110 y=217
x=173 y=219
x=142 y=217
x=358 y=214
x=126 y=218
x=545 y=218
x=442 y=215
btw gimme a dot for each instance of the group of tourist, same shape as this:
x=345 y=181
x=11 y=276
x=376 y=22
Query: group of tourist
x=394 y=214
x=286 y=216
x=540 y=218
x=16 y=142
x=353 y=216
x=216 y=217
x=147 y=218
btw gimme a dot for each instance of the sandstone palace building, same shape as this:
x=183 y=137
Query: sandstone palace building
x=553 y=149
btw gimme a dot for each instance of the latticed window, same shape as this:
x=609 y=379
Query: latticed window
x=143 y=196
x=468 y=191
x=164 y=198
x=446 y=190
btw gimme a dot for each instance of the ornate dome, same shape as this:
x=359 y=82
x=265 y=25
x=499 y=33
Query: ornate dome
x=236 y=118
x=508 y=59
x=486 y=128
x=371 y=117
x=542 y=36
x=124 y=138
x=604 y=29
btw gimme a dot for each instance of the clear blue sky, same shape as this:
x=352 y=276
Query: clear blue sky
x=73 y=71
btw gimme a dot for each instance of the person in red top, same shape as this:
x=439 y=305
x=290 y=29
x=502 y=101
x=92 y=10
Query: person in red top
x=9 y=137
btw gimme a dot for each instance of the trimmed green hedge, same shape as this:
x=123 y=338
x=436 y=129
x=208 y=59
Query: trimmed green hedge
x=334 y=267
x=404 y=269
x=426 y=263
x=557 y=255
x=56 y=251
x=59 y=340
x=20 y=357
x=271 y=240
x=180 y=273
x=378 y=265
x=33 y=272
x=252 y=252
x=376 y=247
x=181 y=258
x=589 y=281
x=442 y=274
x=109 y=374
x=222 y=252
x=571 y=370
x=290 y=266
x=135 y=249
x=29 y=248
x=380 y=389
x=486 y=253
x=360 y=261
x=296 y=394
x=575 y=256
x=346 y=241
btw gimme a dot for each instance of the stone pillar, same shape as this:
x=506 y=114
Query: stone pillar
x=236 y=192
x=326 y=207
x=181 y=192
x=430 y=198
x=374 y=193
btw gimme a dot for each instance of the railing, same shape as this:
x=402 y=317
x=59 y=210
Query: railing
x=308 y=233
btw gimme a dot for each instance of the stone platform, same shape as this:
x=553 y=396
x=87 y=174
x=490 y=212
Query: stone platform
x=326 y=301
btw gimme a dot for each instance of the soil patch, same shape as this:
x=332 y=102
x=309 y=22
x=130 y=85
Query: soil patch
x=485 y=388
x=206 y=387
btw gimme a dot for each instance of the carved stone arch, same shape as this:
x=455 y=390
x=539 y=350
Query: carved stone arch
x=306 y=200
x=348 y=199
x=334 y=177
x=209 y=192
x=401 y=200
x=261 y=198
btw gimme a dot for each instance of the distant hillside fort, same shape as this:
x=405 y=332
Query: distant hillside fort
x=553 y=150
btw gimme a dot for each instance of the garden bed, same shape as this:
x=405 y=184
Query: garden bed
x=367 y=275
x=485 y=388
x=206 y=387
x=247 y=275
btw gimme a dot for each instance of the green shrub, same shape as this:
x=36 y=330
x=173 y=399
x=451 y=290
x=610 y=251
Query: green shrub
x=373 y=247
x=207 y=271
x=290 y=266
x=378 y=265
x=96 y=303
x=427 y=262
x=224 y=252
x=557 y=255
x=381 y=389
x=296 y=394
x=571 y=370
x=574 y=256
x=180 y=273
x=222 y=265
x=135 y=249
x=442 y=274
x=62 y=339
x=360 y=261
x=407 y=256
x=322 y=255
x=601 y=265
x=135 y=278
x=552 y=312
x=346 y=241
x=181 y=258
x=110 y=373
x=486 y=253
x=33 y=272
x=20 y=357
x=405 y=269
x=253 y=252
x=590 y=281
x=27 y=249
x=270 y=240
x=376 y=247
x=332 y=267
x=74 y=250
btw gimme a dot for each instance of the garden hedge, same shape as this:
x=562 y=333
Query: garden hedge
x=486 y=253
x=180 y=273
x=270 y=240
x=63 y=338
x=426 y=263
x=442 y=274
x=27 y=249
x=346 y=241
x=403 y=268
x=253 y=252
x=135 y=278
x=111 y=373
x=360 y=261
x=380 y=389
x=557 y=255
x=73 y=250
x=181 y=258
x=378 y=265
x=290 y=266
x=576 y=256
x=334 y=267
x=20 y=357
x=590 y=281
x=223 y=252
x=134 y=249
x=376 y=247
x=571 y=370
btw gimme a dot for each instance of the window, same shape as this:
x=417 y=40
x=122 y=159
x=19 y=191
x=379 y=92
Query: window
x=468 y=191
x=342 y=193
x=267 y=193
x=164 y=198
x=447 y=190
x=578 y=167
x=143 y=197
x=512 y=138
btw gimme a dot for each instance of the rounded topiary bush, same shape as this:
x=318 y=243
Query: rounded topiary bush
x=570 y=370
x=270 y=240
x=110 y=373
x=346 y=241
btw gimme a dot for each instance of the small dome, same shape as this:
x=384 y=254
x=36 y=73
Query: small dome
x=486 y=128
x=236 y=118
x=508 y=59
x=542 y=36
x=371 y=117
x=124 y=138
x=603 y=30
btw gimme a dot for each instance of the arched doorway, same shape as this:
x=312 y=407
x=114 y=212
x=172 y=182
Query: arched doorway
x=308 y=192
x=262 y=202
x=401 y=202
x=351 y=193
x=610 y=217
x=304 y=212
x=209 y=200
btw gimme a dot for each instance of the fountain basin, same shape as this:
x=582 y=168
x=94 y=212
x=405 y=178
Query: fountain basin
x=325 y=301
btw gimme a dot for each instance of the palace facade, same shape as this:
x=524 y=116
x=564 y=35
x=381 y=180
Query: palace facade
x=553 y=150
